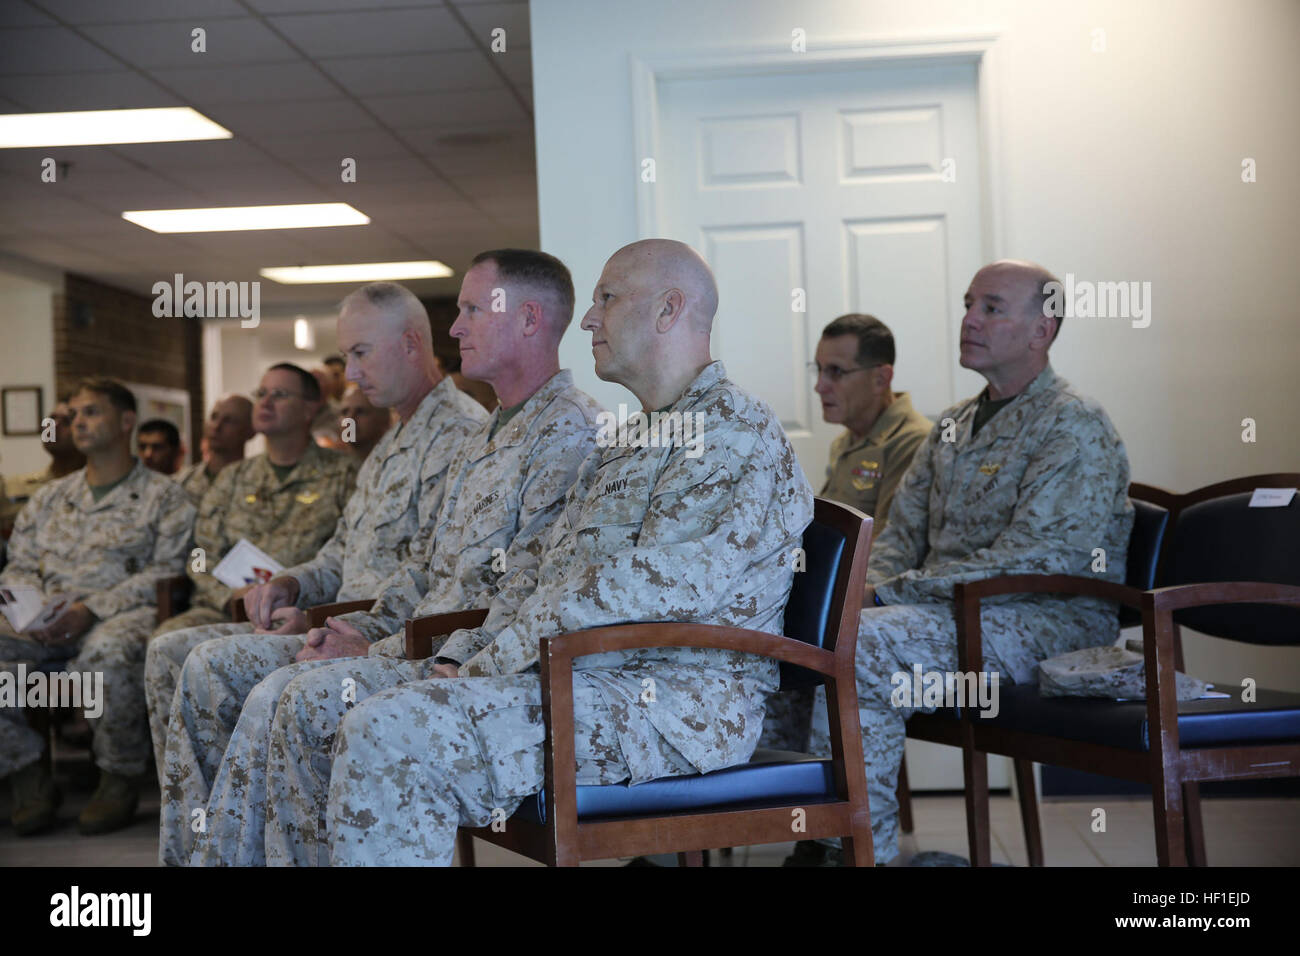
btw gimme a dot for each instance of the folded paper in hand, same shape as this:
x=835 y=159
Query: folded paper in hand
x=27 y=609
x=246 y=563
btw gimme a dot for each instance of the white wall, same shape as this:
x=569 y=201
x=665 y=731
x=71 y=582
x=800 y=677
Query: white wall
x=27 y=358
x=1116 y=165
x=1121 y=165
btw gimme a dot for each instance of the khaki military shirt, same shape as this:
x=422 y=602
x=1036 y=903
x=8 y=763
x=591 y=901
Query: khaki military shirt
x=399 y=490
x=705 y=535
x=864 y=473
x=1043 y=484
x=16 y=491
x=114 y=550
x=502 y=496
x=288 y=519
x=195 y=480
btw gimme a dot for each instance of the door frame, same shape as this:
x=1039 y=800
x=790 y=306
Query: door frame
x=980 y=49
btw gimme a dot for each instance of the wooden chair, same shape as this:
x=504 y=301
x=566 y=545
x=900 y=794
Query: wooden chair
x=1146 y=547
x=1171 y=746
x=317 y=614
x=172 y=596
x=739 y=806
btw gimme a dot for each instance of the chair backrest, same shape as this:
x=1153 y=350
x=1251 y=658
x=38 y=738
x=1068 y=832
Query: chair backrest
x=1222 y=538
x=813 y=612
x=1150 y=522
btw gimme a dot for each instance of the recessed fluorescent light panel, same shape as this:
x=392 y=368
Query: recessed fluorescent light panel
x=357 y=272
x=239 y=218
x=106 y=127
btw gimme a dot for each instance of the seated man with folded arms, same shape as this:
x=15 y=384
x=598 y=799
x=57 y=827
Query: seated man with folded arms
x=384 y=330
x=228 y=429
x=102 y=536
x=1028 y=477
x=700 y=526
x=502 y=495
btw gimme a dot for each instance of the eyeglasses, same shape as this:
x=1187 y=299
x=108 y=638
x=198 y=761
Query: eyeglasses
x=834 y=372
x=276 y=394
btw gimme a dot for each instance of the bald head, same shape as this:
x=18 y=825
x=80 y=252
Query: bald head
x=1029 y=283
x=229 y=427
x=658 y=266
x=390 y=307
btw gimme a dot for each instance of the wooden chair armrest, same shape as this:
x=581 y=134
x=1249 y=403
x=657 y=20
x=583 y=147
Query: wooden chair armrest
x=1179 y=596
x=420 y=631
x=631 y=637
x=967 y=596
x=318 y=613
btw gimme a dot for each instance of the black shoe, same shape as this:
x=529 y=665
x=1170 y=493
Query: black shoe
x=812 y=853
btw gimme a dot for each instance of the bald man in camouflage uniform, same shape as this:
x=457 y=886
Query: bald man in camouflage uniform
x=502 y=496
x=385 y=330
x=1028 y=477
x=105 y=536
x=227 y=430
x=664 y=532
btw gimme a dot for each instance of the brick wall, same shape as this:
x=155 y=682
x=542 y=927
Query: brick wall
x=101 y=330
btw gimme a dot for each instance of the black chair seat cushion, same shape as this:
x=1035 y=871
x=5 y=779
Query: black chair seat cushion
x=771 y=778
x=1274 y=716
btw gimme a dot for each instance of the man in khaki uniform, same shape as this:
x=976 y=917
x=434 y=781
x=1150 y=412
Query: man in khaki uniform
x=102 y=537
x=1028 y=477
x=855 y=373
x=285 y=501
x=362 y=424
x=502 y=495
x=654 y=530
x=228 y=430
x=384 y=330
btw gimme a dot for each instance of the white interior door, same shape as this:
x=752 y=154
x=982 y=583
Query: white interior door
x=860 y=187
x=839 y=183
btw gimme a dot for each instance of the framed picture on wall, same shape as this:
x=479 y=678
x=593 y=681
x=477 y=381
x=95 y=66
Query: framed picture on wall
x=171 y=404
x=22 y=410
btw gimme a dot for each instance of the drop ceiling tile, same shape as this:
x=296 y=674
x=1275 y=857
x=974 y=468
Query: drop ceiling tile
x=118 y=90
x=483 y=18
x=140 y=11
x=50 y=50
x=27 y=162
x=517 y=64
x=331 y=147
x=325 y=6
x=412 y=73
x=252 y=82
x=373 y=33
x=200 y=153
x=254 y=120
x=22 y=15
x=169 y=45
x=448 y=110
x=371 y=174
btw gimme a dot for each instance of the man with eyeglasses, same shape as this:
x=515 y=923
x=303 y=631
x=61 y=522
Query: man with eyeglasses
x=286 y=501
x=854 y=372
